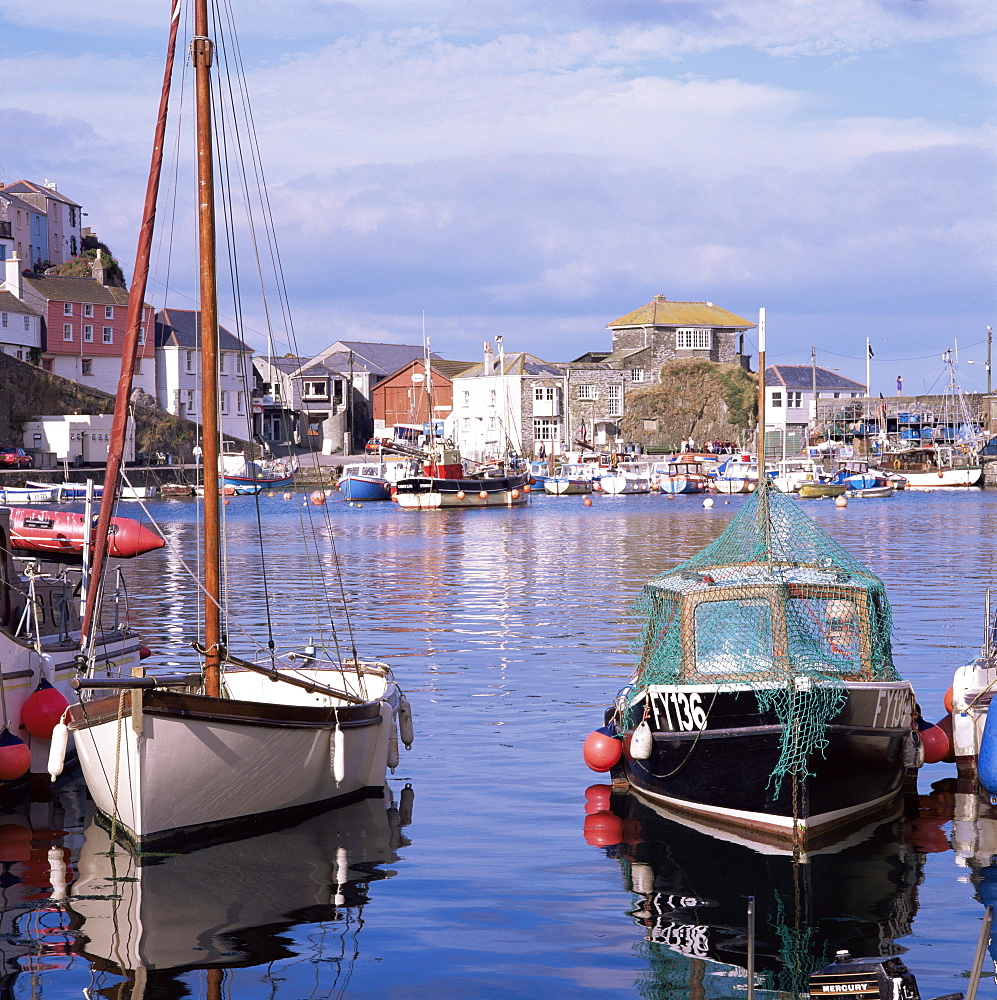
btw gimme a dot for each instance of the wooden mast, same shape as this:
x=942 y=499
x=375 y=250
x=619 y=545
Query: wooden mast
x=136 y=302
x=202 y=55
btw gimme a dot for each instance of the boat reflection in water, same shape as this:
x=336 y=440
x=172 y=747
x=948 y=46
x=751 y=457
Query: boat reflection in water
x=154 y=918
x=692 y=891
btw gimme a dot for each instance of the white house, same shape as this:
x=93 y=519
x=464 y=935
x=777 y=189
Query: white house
x=178 y=372
x=76 y=438
x=20 y=328
x=790 y=395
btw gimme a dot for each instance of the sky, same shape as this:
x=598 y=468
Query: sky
x=538 y=168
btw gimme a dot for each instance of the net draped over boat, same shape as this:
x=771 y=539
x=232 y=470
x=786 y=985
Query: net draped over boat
x=775 y=604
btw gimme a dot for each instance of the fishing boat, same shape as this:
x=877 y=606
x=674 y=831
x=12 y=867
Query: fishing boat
x=371 y=480
x=856 y=475
x=248 y=476
x=572 y=479
x=968 y=705
x=445 y=483
x=626 y=479
x=27 y=494
x=933 y=467
x=817 y=490
x=737 y=475
x=791 y=473
x=765 y=697
x=284 y=731
x=682 y=477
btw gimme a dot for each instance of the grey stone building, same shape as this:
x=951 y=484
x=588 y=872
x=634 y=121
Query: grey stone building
x=661 y=330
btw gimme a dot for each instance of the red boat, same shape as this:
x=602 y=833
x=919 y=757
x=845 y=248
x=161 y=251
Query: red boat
x=61 y=533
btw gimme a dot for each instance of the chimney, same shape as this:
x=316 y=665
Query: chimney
x=489 y=364
x=97 y=270
x=13 y=276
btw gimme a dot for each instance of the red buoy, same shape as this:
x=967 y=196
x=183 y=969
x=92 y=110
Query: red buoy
x=945 y=725
x=15 y=757
x=144 y=652
x=936 y=742
x=483 y=494
x=949 y=695
x=43 y=710
x=602 y=750
x=597 y=798
x=603 y=829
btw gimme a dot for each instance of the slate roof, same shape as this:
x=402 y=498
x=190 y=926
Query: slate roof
x=59 y=288
x=660 y=312
x=801 y=377
x=30 y=187
x=12 y=304
x=24 y=206
x=378 y=359
x=181 y=328
x=518 y=363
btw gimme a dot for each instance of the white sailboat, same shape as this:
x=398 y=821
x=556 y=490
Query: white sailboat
x=169 y=757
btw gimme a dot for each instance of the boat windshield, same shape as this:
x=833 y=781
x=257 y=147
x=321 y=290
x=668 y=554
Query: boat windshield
x=734 y=637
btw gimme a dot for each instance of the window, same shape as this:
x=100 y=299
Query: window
x=86 y=366
x=67 y=308
x=27 y=323
x=72 y=246
x=467 y=425
x=794 y=398
x=855 y=395
x=240 y=363
x=67 y=331
x=614 y=396
x=836 y=395
x=319 y=388
x=88 y=309
x=3 y=319
x=72 y=221
x=221 y=363
x=467 y=397
x=88 y=334
x=544 y=394
x=108 y=335
x=544 y=429
x=108 y=312
x=190 y=400
x=224 y=396
x=141 y=334
x=693 y=339
x=588 y=392
x=637 y=375
x=777 y=399
x=190 y=361
x=238 y=403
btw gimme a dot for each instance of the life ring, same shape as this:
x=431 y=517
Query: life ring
x=896 y=463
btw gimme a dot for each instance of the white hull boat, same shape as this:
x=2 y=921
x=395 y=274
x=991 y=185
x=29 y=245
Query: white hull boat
x=965 y=476
x=625 y=484
x=250 y=754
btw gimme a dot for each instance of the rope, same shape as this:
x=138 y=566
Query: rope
x=117 y=767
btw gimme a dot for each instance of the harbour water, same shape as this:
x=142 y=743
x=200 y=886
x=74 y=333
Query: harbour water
x=509 y=630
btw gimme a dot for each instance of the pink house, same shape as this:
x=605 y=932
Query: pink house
x=83 y=327
x=62 y=218
x=28 y=228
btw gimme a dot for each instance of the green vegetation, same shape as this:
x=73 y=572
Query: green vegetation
x=82 y=266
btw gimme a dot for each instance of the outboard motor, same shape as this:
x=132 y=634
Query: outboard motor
x=868 y=978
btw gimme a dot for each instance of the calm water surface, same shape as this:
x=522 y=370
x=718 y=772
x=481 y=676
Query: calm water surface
x=509 y=630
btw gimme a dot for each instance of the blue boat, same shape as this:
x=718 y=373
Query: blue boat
x=365 y=481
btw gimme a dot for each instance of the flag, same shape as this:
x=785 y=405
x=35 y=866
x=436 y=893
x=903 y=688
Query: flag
x=868 y=347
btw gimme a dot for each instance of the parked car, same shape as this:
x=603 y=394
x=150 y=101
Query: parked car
x=18 y=458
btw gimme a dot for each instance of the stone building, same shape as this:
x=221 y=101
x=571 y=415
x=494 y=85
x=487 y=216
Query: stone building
x=660 y=331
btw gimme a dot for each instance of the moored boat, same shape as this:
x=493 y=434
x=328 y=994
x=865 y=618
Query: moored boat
x=871 y=492
x=932 y=467
x=816 y=490
x=765 y=697
x=28 y=494
x=625 y=479
x=249 y=476
x=444 y=483
x=371 y=480
x=682 y=477
x=572 y=479
x=737 y=475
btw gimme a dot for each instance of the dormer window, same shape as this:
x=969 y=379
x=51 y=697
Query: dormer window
x=693 y=339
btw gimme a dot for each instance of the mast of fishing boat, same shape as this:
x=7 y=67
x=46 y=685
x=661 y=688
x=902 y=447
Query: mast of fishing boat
x=761 y=394
x=129 y=350
x=201 y=50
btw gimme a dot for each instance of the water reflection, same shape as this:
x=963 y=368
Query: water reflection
x=690 y=893
x=234 y=905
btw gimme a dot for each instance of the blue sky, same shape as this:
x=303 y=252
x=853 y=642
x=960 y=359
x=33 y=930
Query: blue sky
x=539 y=167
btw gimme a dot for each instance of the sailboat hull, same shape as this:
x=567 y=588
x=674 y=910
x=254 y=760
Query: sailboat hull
x=419 y=493
x=234 y=759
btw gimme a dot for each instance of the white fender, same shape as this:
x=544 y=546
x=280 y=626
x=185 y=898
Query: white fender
x=393 y=748
x=342 y=875
x=57 y=749
x=641 y=742
x=338 y=753
x=405 y=722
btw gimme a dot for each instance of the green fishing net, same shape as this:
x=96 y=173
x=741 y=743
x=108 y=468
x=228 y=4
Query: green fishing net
x=775 y=605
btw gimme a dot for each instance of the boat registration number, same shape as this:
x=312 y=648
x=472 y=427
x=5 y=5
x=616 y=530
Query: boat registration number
x=677 y=711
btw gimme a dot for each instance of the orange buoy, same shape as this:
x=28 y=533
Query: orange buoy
x=603 y=829
x=587 y=501
x=317 y=497
x=945 y=725
x=937 y=744
x=596 y=486
x=602 y=750
x=43 y=710
x=515 y=494
x=483 y=495
x=527 y=487
x=597 y=798
x=461 y=494
x=287 y=496
x=949 y=695
x=15 y=756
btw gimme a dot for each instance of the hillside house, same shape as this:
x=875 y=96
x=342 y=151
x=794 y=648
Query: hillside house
x=63 y=218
